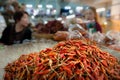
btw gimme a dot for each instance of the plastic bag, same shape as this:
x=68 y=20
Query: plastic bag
x=114 y=35
x=77 y=32
x=115 y=47
x=74 y=35
x=98 y=37
x=112 y=40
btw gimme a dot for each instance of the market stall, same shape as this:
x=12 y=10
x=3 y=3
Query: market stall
x=67 y=43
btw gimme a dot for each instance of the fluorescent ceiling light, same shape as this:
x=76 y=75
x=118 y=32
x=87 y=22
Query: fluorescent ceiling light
x=49 y=6
x=63 y=22
x=70 y=11
x=70 y=17
x=36 y=11
x=59 y=19
x=29 y=5
x=78 y=8
x=54 y=12
x=45 y=22
x=40 y=6
x=100 y=9
x=67 y=7
x=33 y=17
x=105 y=23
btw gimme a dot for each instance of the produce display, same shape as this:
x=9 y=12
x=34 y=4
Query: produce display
x=111 y=39
x=39 y=27
x=74 y=32
x=51 y=27
x=68 y=60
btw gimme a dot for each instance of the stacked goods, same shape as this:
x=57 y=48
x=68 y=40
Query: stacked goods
x=55 y=26
x=51 y=27
x=47 y=31
x=68 y=60
x=74 y=32
x=40 y=27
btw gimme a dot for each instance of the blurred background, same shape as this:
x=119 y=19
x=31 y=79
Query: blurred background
x=44 y=10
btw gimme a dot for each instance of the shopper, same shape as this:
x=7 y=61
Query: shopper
x=91 y=16
x=18 y=32
x=8 y=13
x=2 y=23
x=23 y=7
x=16 y=6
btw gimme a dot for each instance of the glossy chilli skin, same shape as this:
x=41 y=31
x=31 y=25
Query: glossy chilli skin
x=68 y=60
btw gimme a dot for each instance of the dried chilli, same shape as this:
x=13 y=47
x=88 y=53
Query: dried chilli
x=68 y=60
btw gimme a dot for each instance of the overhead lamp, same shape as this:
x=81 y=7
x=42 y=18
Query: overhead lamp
x=100 y=9
x=54 y=12
x=36 y=11
x=105 y=23
x=67 y=7
x=49 y=6
x=45 y=22
x=29 y=5
x=70 y=16
x=40 y=6
x=33 y=17
x=59 y=19
x=71 y=11
x=78 y=8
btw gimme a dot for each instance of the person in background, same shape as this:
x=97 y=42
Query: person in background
x=90 y=14
x=16 y=6
x=8 y=13
x=17 y=33
x=2 y=23
x=23 y=7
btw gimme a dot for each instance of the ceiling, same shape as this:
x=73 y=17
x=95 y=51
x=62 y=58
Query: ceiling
x=95 y=3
